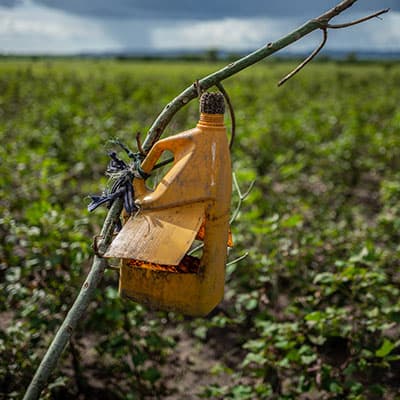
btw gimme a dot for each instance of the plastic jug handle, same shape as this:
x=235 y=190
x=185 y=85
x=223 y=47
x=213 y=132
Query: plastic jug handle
x=148 y=164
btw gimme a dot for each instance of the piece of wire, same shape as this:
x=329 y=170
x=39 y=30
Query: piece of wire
x=231 y=112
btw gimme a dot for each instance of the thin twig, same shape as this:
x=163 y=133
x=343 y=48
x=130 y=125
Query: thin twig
x=307 y=60
x=116 y=141
x=358 y=21
x=163 y=163
x=231 y=112
x=139 y=144
x=236 y=260
x=195 y=249
x=242 y=197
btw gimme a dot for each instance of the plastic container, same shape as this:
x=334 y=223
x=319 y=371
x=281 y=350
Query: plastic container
x=195 y=193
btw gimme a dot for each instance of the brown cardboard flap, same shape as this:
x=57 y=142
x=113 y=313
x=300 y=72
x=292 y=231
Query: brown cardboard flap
x=158 y=236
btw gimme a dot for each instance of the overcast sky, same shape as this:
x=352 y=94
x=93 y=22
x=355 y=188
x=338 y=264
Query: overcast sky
x=73 y=26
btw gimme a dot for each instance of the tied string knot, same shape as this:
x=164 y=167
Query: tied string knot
x=121 y=176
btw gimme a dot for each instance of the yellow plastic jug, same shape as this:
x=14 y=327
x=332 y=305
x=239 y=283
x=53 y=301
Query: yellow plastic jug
x=195 y=193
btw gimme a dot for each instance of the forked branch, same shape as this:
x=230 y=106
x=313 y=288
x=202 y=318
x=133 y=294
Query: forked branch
x=190 y=93
x=324 y=27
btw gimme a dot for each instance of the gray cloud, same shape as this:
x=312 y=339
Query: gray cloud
x=74 y=26
x=206 y=9
x=9 y=3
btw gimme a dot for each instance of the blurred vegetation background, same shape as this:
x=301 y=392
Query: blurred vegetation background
x=312 y=313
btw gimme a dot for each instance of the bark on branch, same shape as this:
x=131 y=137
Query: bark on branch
x=77 y=312
x=78 y=309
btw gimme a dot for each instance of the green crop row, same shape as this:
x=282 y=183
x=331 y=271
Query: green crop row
x=313 y=312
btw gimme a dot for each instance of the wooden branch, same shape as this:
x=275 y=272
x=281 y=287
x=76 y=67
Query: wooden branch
x=86 y=293
x=77 y=311
x=157 y=129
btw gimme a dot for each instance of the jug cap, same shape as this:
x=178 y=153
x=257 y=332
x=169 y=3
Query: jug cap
x=212 y=103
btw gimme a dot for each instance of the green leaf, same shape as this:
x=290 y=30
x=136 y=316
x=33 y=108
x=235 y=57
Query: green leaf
x=315 y=316
x=308 y=359
x=385 y=349
x=335 y=388
x=151 y=374
x=292 y=221
x=251 y=304
x=200 y=332
x=254 y=358
x=324 y=277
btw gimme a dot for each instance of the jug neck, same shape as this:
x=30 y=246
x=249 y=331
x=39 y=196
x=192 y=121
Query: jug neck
x=211 y=120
